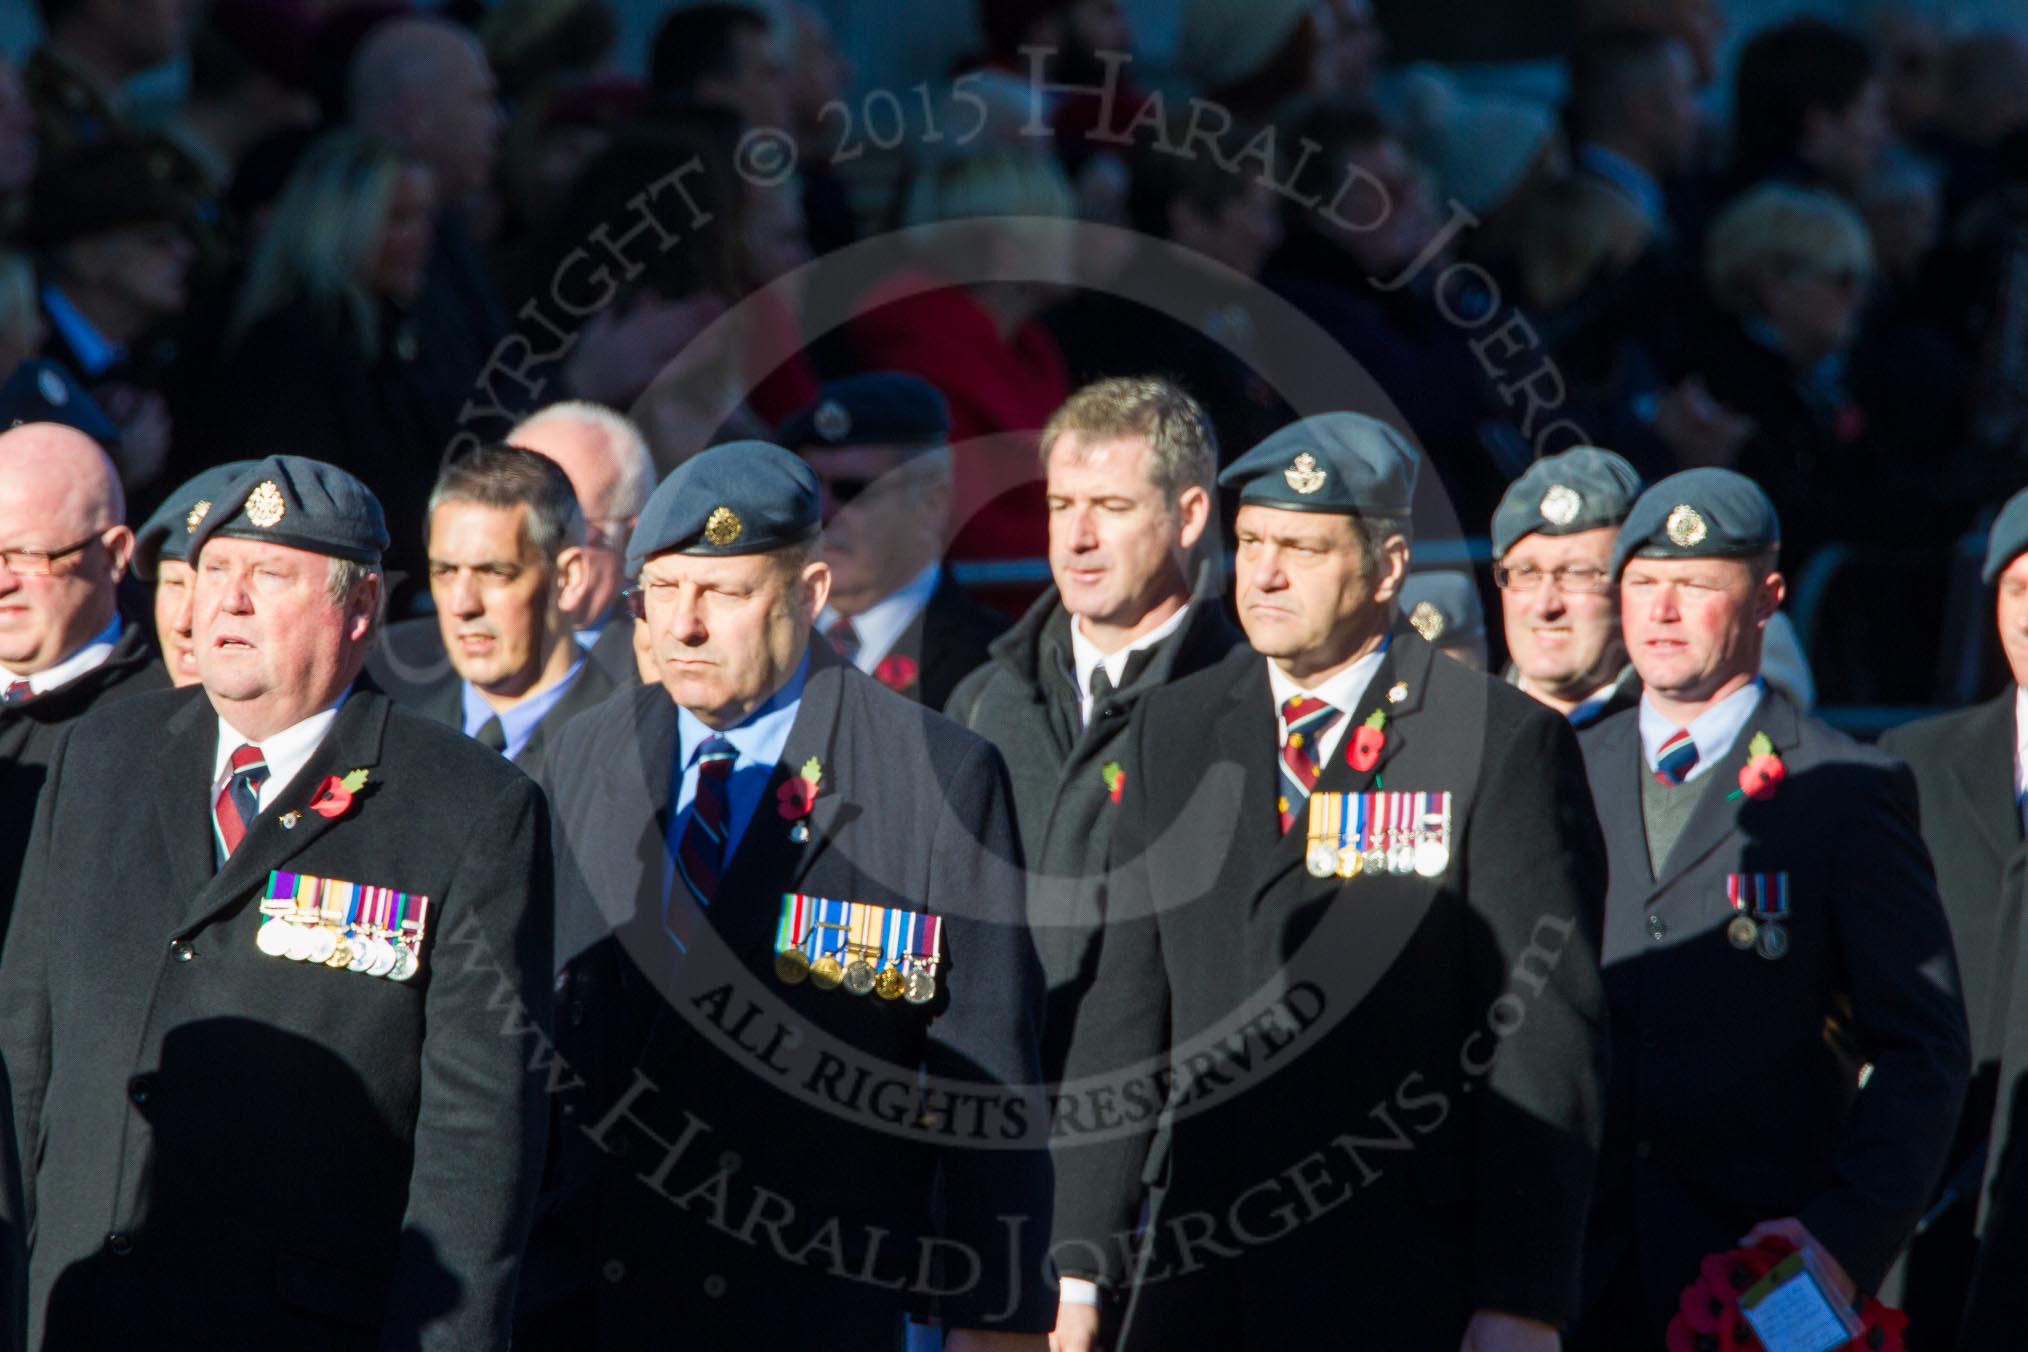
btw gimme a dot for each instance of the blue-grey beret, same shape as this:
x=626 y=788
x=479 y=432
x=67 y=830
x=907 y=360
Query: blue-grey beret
x=302 y=503
x=166 y=534
x=745 y=497
x=1444 y=607
x=882 y=408
x=1345 y=463
x=2008 y=538
x=1582 y=489
x=1704 y=513
x=43 y=391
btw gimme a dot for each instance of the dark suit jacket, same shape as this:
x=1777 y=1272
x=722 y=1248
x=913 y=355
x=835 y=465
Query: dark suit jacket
x=1324 y=1041
x=1735 y=1087
x=30 y=731
x=1023 y=702
x=226 y=1149
x=1996 y=1309
x=700 y=1070
x=410 y=663
x=443 y=701
x=950 y=637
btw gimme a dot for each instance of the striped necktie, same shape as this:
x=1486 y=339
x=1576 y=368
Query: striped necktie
x=844 y=637
x=239 y=802
x=1305 y=721
x=1676 y=759
x=18 y=692
x=700 y=854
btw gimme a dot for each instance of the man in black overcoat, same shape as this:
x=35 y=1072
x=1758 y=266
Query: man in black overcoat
x=1346 y=1032
x=1789 y=1043
x=764 y=1141
x=268 y=1000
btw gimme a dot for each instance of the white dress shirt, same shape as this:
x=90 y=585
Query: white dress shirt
x=1712 y=732
x=1085 y=658
x=881 y=625
x=286 y=752
x=93 y=654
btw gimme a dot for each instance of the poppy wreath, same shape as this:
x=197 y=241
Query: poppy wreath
x=1709 y=1318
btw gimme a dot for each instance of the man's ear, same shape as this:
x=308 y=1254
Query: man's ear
x=363 y=607
x=1193 y=513
x=815 y=585
x=1768 y=595
x=119 y=542
x=1393 y=568
x=570 y=579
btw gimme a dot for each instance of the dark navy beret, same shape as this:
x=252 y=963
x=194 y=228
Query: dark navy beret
x=1345 y=463
x=2008 y=538
x=1444 y=607
x=166 y=534
x=745 y=497
x=1582 y=489
x=302 y=503
x=1704 y=513
x=883 y=408
x=43 y=391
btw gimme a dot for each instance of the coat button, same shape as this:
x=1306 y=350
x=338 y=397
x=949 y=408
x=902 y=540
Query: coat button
x=182 y=950
x=714 y=1286
x=1656 y=929
x=120 y=1243
x=138 y=1088
x=614 y=1270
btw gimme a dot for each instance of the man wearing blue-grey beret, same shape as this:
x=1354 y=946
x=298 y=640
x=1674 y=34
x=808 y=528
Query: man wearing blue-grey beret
x=795 y=976
x=1342 y=856
x=1773 y=927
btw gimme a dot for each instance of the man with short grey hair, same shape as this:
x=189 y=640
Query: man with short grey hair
x=1129 y=464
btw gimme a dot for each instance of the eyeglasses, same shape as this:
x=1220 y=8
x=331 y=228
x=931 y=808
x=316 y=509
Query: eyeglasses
x=38 y=562
x=1581 y=579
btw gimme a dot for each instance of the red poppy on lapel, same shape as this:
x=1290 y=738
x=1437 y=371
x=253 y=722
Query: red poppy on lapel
x=1363 y=752
x=797 y=796
x=1115 y=780
x=333 y=798
x=896 y=672
x=1763 y=772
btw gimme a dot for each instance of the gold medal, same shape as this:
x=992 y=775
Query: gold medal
x=1741 y=932
x=1774 y=941
x=858 y=977
x=792 y=967
x=1350 y=863
x=341 y=954
x=890 y=984
x=826 y=973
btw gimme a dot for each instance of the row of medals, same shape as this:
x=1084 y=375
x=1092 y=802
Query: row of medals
x=1427 y=855
x=282 y=937
x=1765 y=937
x=917 y=985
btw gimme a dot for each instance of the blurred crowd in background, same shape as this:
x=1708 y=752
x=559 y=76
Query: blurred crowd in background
x=372 y=233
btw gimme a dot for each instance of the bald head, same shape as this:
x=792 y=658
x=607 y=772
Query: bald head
x=60 y=496
x=607 y=463
x=422 y=85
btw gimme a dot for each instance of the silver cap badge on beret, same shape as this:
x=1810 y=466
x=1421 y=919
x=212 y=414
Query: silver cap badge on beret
x=196 y=515
x=1561 y=504
x=722 y=527
x=1685 y=528
x=832 y=421
x=1427 y=620
x=1304 y=474
x=264 y=506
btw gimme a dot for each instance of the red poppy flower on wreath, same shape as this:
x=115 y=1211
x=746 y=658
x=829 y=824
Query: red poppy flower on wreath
x=896 y=672
x=1362 y=753
x=798 y=795
x=1709 y=1318
x=333 y=798
x=1763 y=772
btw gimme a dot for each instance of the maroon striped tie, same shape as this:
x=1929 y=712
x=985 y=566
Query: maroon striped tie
x=18 y=692
x=239 y=802
x=1305 y=720
x=701 y=851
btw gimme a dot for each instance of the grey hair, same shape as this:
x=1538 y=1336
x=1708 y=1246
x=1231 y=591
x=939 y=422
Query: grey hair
x=344 y=575
x=506 y=477
x=1183 y=450
x=624 y=443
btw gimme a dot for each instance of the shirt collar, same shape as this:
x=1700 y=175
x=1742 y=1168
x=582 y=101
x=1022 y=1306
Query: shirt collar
x=96 y=353
x=90 y=657
x=517 y=721
x=761 y=738
x=286 y=752
x=1712 y=732
x=2020 y=740
x=880 y=626
x=1085 y=658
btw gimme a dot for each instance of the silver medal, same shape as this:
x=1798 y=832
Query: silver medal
x=273 y=938
x=1432 y=856
x=1322 y=860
